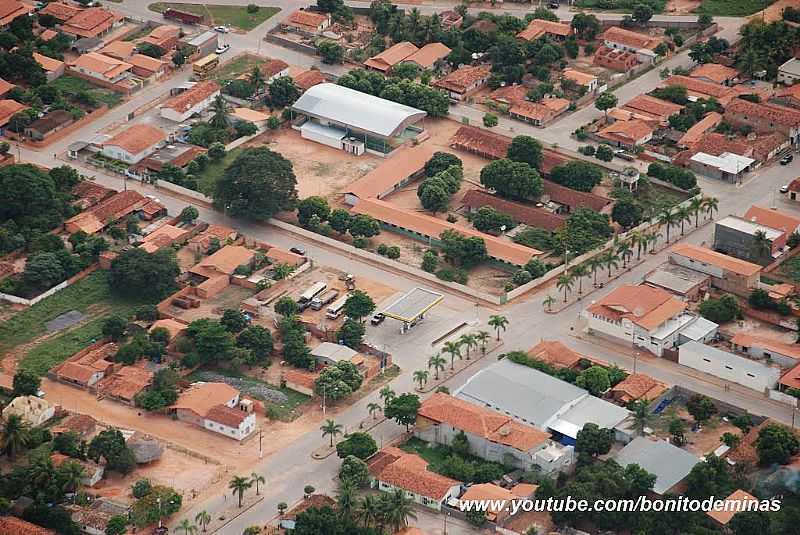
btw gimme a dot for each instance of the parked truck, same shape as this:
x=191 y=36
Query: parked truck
x=336 y=309
x=323 y=299
x=311 y=293
x=183 y=16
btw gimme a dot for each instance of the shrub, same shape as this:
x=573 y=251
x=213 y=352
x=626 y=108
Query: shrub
x=450 y=274
x=252 y=8
x=521 y=277
x=360 y=243
x=393 y=252
x=604 y=153
x=588 y=150
x=490 y=120
x=430 y=261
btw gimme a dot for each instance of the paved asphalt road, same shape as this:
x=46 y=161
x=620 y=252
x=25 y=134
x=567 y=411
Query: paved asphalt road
x=288 y=471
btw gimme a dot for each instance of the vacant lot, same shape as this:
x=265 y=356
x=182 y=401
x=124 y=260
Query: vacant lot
x=791 y=268
x=234 y=16
x=733 y=8
x=239 y=65
x=71 y=85
x=207 y=179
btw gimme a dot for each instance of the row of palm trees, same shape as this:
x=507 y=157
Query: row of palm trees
x=621 y=252
x=387 y=511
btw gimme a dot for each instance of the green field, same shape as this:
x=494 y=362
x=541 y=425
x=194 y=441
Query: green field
x=91 y=296
x=239 y=65
x=791 y=268
x=207 y=180
x=71 y=85
x=733 y=8
x=234 y=16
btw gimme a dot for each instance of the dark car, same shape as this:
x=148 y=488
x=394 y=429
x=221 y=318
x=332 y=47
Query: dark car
x=786 y=160
x=298 y=250
x=378 y=318
x=554 y=5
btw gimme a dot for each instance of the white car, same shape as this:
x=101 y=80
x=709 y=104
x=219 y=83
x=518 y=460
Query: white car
x=222 y=29
x=221 y=49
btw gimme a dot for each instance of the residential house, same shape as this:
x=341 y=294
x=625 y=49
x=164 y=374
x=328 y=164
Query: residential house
x=175 y=153
x=307 y=22
x=701 y=89
x=92 y=472
x=200 y=45
x=48 y=35
x=636 y=43
x=11 y=9
x=789 y=72
x=700 y=130
x=216 y=407
x=714 y=144
x=91 y=22
x=328 y=354
x=392 y=468
x=147 y=67
x=645 y=316
x=769 y=146
x=764 y=117
x=216 y=270
x=494 y=496
x=100 y=67
x=650 y=455
x=727 y=166
x=164 y=37
x=11 y=525
x=61 y=11
x=219 y=233
x=728 y=366
x=537 y=28
x=121 y=50
x=192 y=101
x=558 y=355
x=647 y=108
x=529 y=215
x=563 y=200
x=534 y=398
x=5 y=87
x=32 y=410
x=53 y=68
x=539 y=113
x=91 y=520
x=428 y=57
x=288 y=519
x=759 y=347
x=738 y=502
x=748 y=240
x=615 y=59
x=86 y=367
x=588 y=81
x=49 y=124
x=274 y=68
x=134 y=143
x=491 y=435
x=85 y=45
x=402 y=167
x=114 y=208
x=384 y=61
x=174 y=327
x=637 y=387
x=774 y=218
x=8 y=108
x=686 y=284
x=82 y=425
x=626 y=134
x=125 y=383
x=714 y=73
x=308 y=79
x=90 y=193
x=727 y=273
x=788 y=96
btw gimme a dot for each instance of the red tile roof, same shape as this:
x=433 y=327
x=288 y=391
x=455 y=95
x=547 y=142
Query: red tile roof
x=183 y=102
x=645 y=306
x=460 y=80
x=11 y=9
x=403 y=163
x=308 y=79
x=573 y=198
x=427 y=56
x=715 y=72
x=772 y=112
x=137 y=138
x=271 y=67
x=773 y=218
x=628 y=132
x=409 y=472
x=391 y=56
x=555 y=353
x=708 y=256
x=693 y=85
x=225 y=415
x=638 y=386
x=11 y=525
x=90 y=22
x=473 y=139
x=307 y=19
x=774 y=346
x=631 y=39
x=652 y=106
x=60 y=10
x=538 y=27
x=521 y=213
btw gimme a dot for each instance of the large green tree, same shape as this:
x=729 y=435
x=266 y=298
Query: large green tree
x=577 y=175
x=137 y=273
x=512 y=180
x=525 y=149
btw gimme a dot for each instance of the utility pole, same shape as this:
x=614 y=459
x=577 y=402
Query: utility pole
x=260 y=437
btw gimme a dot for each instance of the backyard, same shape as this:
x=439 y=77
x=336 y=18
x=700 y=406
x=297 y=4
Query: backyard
x=241 y=64
x=235 y=16
x=791 y=268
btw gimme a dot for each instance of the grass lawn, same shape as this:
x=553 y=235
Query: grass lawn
x=143 y=31
x=91 y=295
x=657 y=197
x=71 y=85
x=791 y=268
x=239 y=65
x=733 y=8
x=234 y=16
x=207 y=180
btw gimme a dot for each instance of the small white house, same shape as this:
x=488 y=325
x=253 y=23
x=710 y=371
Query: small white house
x=758 y=376
x=237 y=423
x=193 y=100
x=33 y=410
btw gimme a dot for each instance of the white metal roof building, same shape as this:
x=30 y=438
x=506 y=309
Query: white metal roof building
x=668 y=463
x=368 y=118
x=331 y=353
x=734 y=368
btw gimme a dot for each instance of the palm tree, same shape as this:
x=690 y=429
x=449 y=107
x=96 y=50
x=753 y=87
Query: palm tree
x=578 y=273
x=256 y=79
x=469 y=341
x=652 y=238
x=386 y=394
x=498 y=322
x=482 y=337
x=695 y=207
x=368 y=511
x=625 y=252
x=331 y=429
x=219 y=109
x=71 y=474
x=667 y=218
x=436 y=362
x=565 y=282
x=282 y=507
x=346 y=500
x=683 y=214
x=761 y=245
x=187 y=527
x=548 y=302
x=637 y=240
x=641 y=415
x=255 y=479
x=372 y=407
x=15 y=435
x=238 y=485
x=204 y=519
x=610 y=261
x=421 y=377
x=399 y=510
x=711 y=205
x=594 y=264
x=454 y=349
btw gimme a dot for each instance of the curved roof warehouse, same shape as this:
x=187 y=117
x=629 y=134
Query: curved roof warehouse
x=347 y=108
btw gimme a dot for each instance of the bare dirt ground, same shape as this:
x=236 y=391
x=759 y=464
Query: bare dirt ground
x=320 y=170
x=773 y=12
x=702 y=442
x=754 y=327
x=230 y=297
x=681 y=7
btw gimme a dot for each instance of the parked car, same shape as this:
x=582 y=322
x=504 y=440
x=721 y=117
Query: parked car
x=222 y=29
x=377 y=319
x=786 y=160
x=554 y=5
x=298 y=250
x=221 y=49
x=784 y=188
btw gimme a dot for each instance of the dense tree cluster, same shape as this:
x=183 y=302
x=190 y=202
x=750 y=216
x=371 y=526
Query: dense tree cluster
x=677 y=176
x=512 y=180
x=433 y=101
x=577 y=175
x=137 y=273
x=721 y=310
x=338 y=381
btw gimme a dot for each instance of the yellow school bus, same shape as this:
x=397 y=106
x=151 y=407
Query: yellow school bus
x=202 y=68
